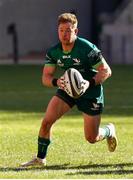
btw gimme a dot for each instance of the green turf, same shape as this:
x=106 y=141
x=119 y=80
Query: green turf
x=23 y=101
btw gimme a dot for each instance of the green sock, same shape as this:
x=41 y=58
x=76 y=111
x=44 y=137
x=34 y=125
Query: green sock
x=104 y=132
x=42 y=147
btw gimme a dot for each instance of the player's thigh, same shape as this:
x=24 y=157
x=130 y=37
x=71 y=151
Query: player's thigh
x=56 y=108
x=91 y=126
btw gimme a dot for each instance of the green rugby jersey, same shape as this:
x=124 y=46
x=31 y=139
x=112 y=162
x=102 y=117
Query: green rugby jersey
x=83 y=57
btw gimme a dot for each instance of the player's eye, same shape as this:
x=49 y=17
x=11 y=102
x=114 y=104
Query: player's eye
x=61 y=30
x=68 y=31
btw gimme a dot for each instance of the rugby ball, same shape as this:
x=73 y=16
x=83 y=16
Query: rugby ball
x=74 y=83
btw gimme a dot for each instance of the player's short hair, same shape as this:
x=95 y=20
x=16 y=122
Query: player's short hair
x=68 y=17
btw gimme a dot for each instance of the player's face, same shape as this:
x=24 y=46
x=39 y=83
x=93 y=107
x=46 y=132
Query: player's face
x=67 y=33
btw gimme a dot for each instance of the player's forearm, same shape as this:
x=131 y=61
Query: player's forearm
x=48 y=76
x=47 y=80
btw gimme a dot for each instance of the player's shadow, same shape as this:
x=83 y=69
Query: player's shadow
x=93 y=169
x=101 y=169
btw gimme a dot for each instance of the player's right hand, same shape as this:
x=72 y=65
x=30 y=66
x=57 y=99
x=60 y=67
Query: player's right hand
x=60 y=82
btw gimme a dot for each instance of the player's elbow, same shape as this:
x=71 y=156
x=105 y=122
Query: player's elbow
x=44 y=81
x=109 y=72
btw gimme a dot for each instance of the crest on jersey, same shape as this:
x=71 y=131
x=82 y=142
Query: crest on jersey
x=76 y=61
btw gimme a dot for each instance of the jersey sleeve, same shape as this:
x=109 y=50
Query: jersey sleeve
x=49 y=61
x=95 y=57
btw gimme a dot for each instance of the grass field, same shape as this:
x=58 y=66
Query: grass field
x=23 y=101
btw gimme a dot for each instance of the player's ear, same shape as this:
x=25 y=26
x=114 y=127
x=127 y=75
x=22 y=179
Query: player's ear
x=76 y=31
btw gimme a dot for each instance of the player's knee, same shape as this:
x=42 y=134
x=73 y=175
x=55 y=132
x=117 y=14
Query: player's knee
x=46 y=124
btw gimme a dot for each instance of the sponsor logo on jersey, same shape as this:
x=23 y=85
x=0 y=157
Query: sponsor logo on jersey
x=95 y=107
x=47 y=57
x=66 y=56
x=60 y=63
x=93 y=53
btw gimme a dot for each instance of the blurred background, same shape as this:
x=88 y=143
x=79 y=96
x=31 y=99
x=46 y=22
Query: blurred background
x=29 y=27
